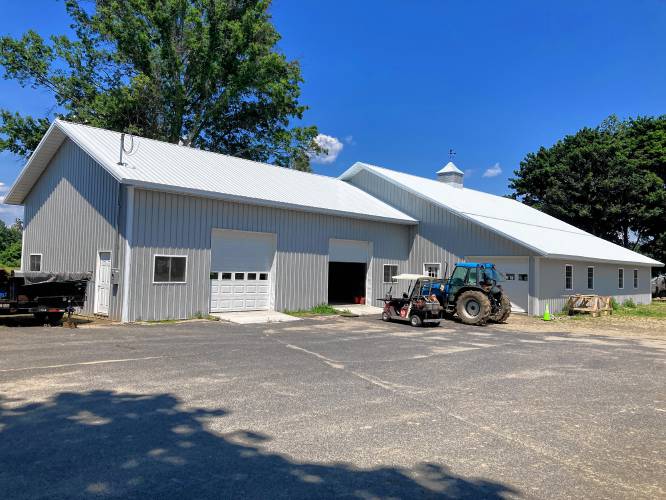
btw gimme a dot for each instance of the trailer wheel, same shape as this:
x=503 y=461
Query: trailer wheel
x=415 y=321
x=386 y=316
x=473 y=307
x=55 y=318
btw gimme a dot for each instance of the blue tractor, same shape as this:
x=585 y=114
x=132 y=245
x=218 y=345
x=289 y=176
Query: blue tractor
x=473 y=293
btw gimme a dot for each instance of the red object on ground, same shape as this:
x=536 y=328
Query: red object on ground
x=361 y=300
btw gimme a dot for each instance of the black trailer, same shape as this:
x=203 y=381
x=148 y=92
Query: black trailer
x=48 y=296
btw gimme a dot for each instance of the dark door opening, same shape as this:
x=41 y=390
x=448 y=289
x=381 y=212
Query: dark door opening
x=346 y=280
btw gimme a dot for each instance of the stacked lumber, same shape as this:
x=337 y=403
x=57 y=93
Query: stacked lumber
x=595 y=305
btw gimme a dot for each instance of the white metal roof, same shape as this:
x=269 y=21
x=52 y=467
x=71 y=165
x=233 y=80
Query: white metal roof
x=542 y=233
x=449 y=167
x=169 y=167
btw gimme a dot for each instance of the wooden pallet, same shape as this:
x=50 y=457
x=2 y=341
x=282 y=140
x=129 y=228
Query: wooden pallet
x=594 y=305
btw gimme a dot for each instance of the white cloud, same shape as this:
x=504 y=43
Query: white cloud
x=493 y=171
x=331 y=145
x=349 y=139
x=469 y=172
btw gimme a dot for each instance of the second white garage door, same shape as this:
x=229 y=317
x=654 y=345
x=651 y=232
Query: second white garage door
x=241 y=264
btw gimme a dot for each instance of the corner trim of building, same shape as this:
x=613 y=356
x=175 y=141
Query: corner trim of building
x=129 y=224
x=533 y=300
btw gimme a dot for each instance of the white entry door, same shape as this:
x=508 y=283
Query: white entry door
x=103 y=283
x=240 y=275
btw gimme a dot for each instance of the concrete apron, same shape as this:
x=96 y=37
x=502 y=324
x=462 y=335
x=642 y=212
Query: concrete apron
x=359 y=309
x=252 y=317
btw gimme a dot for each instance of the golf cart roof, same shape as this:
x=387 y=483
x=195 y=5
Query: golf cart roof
x=411 y=277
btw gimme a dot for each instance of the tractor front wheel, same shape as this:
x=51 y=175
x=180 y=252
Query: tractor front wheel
x=473 y=307
x=503 y=312
x=415 y=321
x=386 y=316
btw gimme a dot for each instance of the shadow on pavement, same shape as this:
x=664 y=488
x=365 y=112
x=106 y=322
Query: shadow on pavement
x=100 y=443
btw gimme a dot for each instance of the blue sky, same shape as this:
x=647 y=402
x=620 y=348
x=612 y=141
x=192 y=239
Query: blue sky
x=398 y=83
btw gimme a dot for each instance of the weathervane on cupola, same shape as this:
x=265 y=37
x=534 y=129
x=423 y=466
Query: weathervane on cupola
x=450 y=174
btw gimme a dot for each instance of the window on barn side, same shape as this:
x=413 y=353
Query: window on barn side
x=568 y=277
x=35 y=262
x=169 y=269
x=620 y=278
x=390 y=271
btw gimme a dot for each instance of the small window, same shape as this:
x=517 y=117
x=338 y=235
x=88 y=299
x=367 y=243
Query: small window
x=239 y=276
x=635 y=278
x=263 y=276
x=590 y=278
x=170 y=269
x=472 y=276
x=431 y=270
x=522 y=277
x=35 y=262
x=213 y=276
x=510 y=277
x=620 y=278
x=389 y=272
x=252 y=276
x=226 y=276
x=568 y=277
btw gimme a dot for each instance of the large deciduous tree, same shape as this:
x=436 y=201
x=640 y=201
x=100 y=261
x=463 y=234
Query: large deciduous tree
x=608 y=180
x=203 y=73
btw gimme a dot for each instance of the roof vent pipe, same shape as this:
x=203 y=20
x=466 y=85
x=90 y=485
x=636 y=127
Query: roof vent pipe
x=451 y=175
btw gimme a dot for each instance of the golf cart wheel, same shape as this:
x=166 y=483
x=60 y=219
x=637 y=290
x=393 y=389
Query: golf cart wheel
x=503 y=312
x=415 y=321
x=386 y=316
x=473 y=307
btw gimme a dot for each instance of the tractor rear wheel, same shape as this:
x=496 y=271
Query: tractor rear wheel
x=473 y=307
x=503 y=312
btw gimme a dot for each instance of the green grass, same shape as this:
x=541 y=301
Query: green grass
x=320 y=310
x=654 y=310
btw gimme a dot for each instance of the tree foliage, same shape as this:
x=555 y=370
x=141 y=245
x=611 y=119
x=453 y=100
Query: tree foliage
x=10 y=244
x=607 y=180
x=204 y=73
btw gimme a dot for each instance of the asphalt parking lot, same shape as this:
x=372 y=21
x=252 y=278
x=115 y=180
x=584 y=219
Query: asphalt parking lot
x=351 y=408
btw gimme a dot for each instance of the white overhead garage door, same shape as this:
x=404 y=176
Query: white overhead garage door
x=241 y=264
x=516 y=275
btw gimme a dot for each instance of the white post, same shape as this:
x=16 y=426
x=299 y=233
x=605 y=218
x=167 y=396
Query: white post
x=129 y=224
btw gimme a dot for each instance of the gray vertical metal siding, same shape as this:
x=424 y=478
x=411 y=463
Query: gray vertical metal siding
x=553 y=293
x=70 y=215
x=441 y=235
x=166 y=223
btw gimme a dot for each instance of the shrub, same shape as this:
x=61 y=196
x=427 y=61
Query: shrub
x=629 y=303
x=615 y=304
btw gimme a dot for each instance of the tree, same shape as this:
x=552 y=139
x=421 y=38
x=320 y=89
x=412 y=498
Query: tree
x=10 y=245
x=202 y=73
x=607 y=180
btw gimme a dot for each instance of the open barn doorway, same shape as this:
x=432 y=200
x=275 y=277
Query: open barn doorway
x=348 y=263
x=346 y=282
